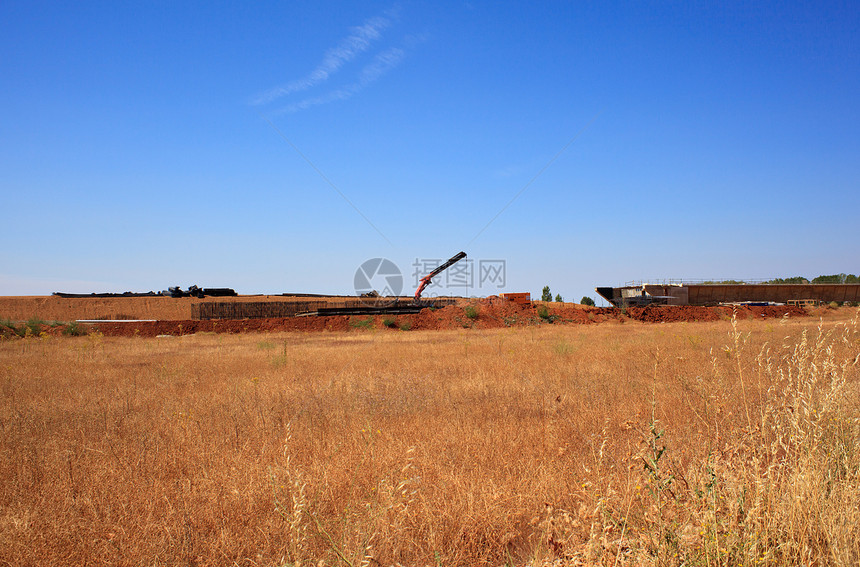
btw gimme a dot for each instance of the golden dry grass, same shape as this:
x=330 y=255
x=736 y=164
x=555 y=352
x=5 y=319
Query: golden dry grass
x=617 y=444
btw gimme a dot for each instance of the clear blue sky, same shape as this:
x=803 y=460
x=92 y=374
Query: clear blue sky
x=148 y=144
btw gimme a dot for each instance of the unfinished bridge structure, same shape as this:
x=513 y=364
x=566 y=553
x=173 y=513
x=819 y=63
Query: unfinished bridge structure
x=717 y=293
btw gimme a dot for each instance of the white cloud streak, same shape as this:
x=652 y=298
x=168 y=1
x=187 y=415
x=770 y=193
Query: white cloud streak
x=381 y=64
x=356 y=43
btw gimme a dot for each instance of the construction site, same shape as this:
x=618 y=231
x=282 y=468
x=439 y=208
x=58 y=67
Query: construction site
x=178 y=311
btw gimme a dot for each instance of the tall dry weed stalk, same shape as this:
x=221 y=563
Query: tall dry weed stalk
x=346 y=536
x=781 y=490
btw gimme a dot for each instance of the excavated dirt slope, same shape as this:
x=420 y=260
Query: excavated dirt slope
x=486 y=313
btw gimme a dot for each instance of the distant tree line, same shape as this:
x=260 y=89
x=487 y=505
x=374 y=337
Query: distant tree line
x=834 y=279
x=546 y=295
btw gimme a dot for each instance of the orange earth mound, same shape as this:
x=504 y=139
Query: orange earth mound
x=491 y=312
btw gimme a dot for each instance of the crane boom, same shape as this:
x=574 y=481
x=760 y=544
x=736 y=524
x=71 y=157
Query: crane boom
x=425 y=281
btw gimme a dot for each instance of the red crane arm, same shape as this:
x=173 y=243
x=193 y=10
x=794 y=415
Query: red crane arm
x=425 y=281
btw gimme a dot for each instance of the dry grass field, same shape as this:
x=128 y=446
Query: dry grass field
x=722 y=443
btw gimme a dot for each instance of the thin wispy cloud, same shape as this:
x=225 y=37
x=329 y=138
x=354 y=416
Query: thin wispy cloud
x=360 y=40
x=380 y=65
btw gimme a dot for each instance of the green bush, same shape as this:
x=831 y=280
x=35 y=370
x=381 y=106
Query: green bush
x=9 y=328
x=586 y=301
x=405 y=325
x=73 y=329
x=388 y=322
x=544 y=314
x=361 y=323
x=34 y=325
x=471 y=312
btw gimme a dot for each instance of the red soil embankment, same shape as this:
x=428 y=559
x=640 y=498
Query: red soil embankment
x=173 y=316
x=485 y=313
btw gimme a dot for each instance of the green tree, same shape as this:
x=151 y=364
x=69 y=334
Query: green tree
x=794 y=280
x=546 y=295
x=834 y=279
x=558 y=298
x=587 y=301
